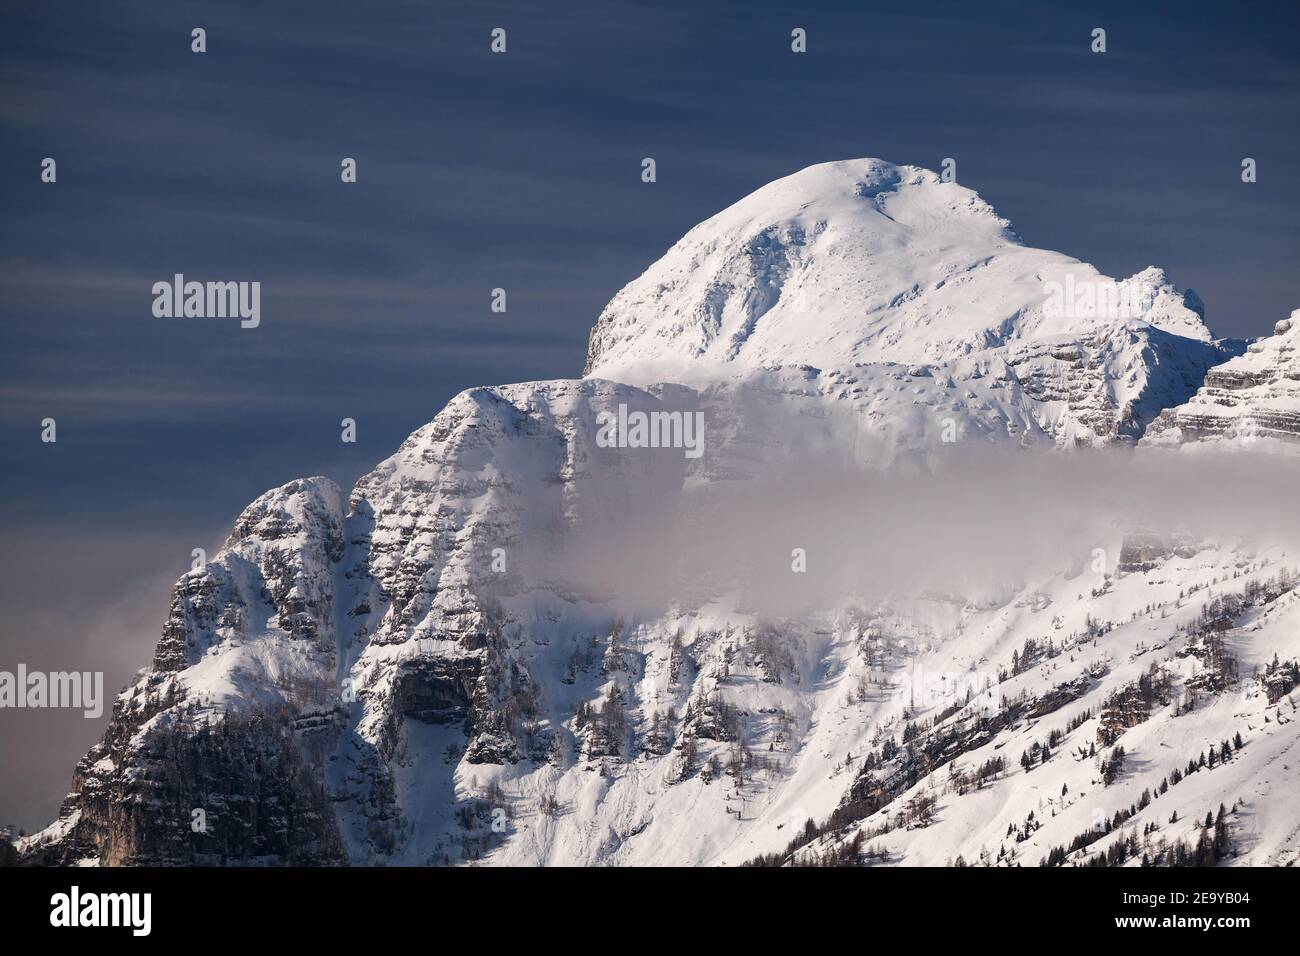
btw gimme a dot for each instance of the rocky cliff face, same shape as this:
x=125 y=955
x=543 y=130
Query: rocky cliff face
x=1253 y=398
x=517 y=641
x=242 y=676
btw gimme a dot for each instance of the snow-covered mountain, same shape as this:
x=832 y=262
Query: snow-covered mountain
x=867 y=266
x=853 y=262
x=829 y=636
x=1253 y=398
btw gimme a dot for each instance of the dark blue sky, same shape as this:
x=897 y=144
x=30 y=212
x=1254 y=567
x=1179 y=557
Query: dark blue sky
x=520 y=171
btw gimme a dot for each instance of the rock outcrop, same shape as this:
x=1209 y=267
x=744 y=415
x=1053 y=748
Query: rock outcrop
x=1253 y=398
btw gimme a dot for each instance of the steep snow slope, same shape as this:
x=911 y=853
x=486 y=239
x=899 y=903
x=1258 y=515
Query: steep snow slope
x=1083 y=644
x=517 y=643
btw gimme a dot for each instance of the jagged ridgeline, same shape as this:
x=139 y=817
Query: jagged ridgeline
x=512 y=644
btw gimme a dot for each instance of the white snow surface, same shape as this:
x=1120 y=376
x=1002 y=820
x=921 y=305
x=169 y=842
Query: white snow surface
x=853 y=262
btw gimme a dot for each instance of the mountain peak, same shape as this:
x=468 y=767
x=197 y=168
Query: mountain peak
x=853 y=262
x=872 y=189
